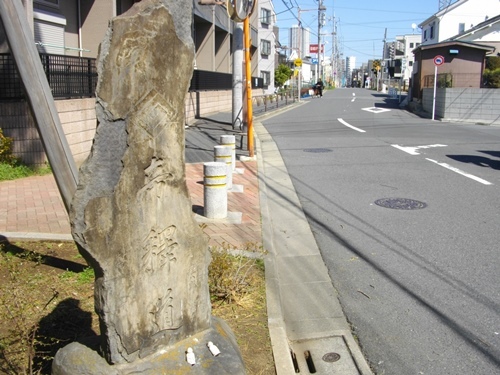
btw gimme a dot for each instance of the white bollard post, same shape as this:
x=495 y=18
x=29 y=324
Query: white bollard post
x=222 y=154
x=215 y=190
x=230 y=140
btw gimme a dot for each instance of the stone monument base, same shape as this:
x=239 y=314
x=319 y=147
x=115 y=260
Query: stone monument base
x=76 y=358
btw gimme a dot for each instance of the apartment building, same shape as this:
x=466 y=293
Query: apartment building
x=457 y=18
x=451 y=33
x=402 y=59
x=74 y=29
x=350 y=65
x=266 y=64
x=77 y=27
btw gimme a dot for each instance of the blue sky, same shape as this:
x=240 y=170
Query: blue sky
x=361 y=24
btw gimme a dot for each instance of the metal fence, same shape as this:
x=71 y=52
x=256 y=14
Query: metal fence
x=69 y=77
x=10 y=83
x=448 y=80
x=203 y=80
x=264 y=103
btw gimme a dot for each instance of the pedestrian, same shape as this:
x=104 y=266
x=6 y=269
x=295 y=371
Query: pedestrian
x=319 y=88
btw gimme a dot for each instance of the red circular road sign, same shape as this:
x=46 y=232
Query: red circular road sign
x=438 y=60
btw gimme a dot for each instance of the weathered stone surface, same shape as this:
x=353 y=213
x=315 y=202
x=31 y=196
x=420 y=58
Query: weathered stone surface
x=131 y=215
x=78 y=359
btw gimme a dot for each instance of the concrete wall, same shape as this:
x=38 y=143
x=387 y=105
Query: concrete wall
x=94 y=17
x=77 y=119
x=464 y=104
x=79 y=122
x=202 y=103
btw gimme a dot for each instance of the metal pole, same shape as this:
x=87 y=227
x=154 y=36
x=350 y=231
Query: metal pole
x=248 y=68
x=434 y=96
x=299 y=80
x=238 y=76
x=383 y=62
x=318 y=73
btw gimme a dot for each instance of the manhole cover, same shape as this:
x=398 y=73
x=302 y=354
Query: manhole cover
x=317 y=150
x=400 y=203
x=331 y=357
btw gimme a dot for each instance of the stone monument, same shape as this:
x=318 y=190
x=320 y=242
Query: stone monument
x=131 y=215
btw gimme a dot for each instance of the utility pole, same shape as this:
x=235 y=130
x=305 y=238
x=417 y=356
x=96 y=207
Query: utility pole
x=335 y=53
x=383 y=61
x=237 y=110
x=321 y=21
x=240 y=11
x=246 y=31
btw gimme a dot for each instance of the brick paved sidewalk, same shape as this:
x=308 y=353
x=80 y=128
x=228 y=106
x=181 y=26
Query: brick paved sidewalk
x=34 y=205
x=246 y=202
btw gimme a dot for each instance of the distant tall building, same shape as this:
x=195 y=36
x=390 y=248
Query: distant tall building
x=350 y=64
x=299 y=38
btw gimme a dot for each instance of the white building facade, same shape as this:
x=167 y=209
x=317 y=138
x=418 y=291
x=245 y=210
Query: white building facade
x=409 y=43
x=267 y=44
x=350 y=64
x=457 y=18
x=300 y=40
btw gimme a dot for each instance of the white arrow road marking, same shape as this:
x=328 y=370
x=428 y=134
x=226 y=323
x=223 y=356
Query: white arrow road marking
x=353 y=97
x=456 y=170
x=413 y=150
x=350 y=126
x=376 y=109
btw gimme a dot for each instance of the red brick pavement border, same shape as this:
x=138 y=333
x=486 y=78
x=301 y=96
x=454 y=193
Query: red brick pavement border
x=34 y=205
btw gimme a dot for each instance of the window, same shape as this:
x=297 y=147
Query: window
x=266 y=77
x=425 y=34
x=432 y=32
x=410 y=63
x=49 y=31
x=461 y=28
x=265 y=47
x=265 y=16
x=411 y=45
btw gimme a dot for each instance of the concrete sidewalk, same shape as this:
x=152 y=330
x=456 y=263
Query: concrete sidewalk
x=309 y=332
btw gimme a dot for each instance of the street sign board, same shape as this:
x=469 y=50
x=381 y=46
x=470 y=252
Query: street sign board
x=438 y=60
x=313 y=48
x=314 y=61
x=298 y=62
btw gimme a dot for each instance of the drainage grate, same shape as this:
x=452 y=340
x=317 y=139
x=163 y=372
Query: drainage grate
x=317 y=150
x=310 y=357
x=400 y=203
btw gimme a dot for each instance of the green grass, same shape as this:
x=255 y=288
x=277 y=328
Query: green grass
x=85 y=277
x=13 y=172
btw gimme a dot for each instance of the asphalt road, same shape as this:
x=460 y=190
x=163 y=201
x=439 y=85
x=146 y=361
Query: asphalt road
x=420 y=283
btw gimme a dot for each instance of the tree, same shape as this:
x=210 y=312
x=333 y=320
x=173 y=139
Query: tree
x=493 y=62
x=376 y=66
x=281 y=75
x=491 y=75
